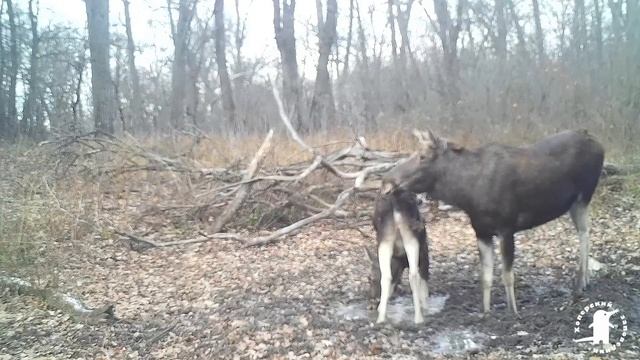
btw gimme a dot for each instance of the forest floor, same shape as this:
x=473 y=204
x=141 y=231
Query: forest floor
x=306 y=296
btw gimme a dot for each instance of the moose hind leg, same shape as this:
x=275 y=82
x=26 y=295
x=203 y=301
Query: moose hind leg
x=412 y=250
x=507 y=251
x=485 y=246
x=385 y=251
x=580 y=216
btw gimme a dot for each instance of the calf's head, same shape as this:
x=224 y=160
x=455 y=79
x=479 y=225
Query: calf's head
x=374 y=275
x=421 y=170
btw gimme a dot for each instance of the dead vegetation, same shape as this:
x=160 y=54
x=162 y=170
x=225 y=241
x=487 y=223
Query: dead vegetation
x=80 y=202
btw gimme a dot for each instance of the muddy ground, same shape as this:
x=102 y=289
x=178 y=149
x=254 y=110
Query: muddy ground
x=305 y=298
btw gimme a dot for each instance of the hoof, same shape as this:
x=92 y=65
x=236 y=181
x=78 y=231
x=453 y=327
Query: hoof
x=516 y=315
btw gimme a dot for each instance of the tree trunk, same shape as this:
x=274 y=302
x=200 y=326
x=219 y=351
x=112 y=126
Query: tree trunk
x=180 y=34
x=3 y=64
x=137 y=106
x=539 y=33
x=616 y=20
x=522 y=42
x=448 y=33
x=633 y=25
x=597 y=25
x=76 y=105
x=322 y=105
x=101 y=85
x=28 y=125
x=403 y=16
x=239 y=43
x=579 y=30
x=228 y=105
x=501 y=38
x=392 y=27
x=284 y=26
x=345 y=69
x=12 y=110
x=117 y=95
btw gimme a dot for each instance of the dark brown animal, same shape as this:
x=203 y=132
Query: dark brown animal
x=505 y=189
x=402 y=243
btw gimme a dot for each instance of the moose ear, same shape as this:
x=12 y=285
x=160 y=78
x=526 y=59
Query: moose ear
x=424 y=138
x=432 y=137
x=369 y=254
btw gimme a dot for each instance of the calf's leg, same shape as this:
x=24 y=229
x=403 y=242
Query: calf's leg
x=580 y=216
x=385 y=251
x=412 y=249
x=485 y=246
x=507 y=251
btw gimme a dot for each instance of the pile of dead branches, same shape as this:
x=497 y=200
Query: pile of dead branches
x=282 y=199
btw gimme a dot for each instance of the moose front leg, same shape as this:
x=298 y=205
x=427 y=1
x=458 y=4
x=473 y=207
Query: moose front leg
x=485 y=246
x=507 y=251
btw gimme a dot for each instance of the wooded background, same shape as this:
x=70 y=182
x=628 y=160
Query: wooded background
x=521 y=67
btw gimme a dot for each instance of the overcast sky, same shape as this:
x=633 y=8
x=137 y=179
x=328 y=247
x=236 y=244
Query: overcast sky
x=152 y=33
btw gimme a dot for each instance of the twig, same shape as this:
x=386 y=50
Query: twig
x=276 y=235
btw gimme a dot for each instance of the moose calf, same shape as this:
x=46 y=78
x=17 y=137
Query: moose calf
x=402 y=243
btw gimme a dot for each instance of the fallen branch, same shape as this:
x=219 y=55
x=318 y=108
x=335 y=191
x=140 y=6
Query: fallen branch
x=60 y=301
x=143 y=244
x=242 y=193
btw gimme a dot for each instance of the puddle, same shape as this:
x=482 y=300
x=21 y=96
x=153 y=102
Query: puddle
x=399 y=309
x=456 y=342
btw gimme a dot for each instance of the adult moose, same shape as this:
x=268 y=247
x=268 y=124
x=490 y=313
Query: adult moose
x=505 y=189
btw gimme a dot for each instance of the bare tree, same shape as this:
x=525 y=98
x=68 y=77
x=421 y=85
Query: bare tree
x=101 y=86
x=284 y=26
x=579 y=30
x=391 y=20
x=239 y=37
x=616 y=19
x=137 y=105
x=76 y=104
x=347 y=55
x=539 y=35
x=14 y=54
x=322 y=104
x=3 y=64
x=633 y=24
x=228 y=104
x=501 y=37
x=402 y=17
x=522 y=42
x=28 y=124
x=448 y=32
x=180 y=34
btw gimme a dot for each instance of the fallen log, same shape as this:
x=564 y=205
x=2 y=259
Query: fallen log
x=59 y=301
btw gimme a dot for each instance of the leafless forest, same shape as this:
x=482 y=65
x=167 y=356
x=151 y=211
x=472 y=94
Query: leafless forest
x=205 y=202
